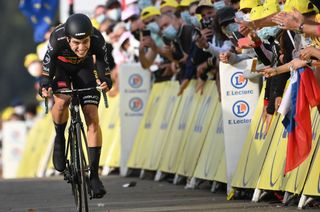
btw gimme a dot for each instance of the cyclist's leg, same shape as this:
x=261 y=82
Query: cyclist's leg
x=90 y=102
x=60 y=117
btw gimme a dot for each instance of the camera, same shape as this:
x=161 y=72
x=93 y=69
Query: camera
x=207 y=24
x=146 y=33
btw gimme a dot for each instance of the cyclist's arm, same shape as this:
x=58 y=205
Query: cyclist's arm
x=103 y=51
x=49 y=60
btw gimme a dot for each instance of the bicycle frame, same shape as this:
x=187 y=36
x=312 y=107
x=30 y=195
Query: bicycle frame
x=78 y=171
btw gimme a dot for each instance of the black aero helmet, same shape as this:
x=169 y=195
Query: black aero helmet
x=78 y=26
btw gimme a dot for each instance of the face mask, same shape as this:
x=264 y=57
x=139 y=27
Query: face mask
x=153 y=27
x=186 y=17
x=128 y=26
x=144 y=3
x=101 y=18
x=35 y=69
x=267 y=32
x=114 y=14
x=232 y=27
x=170 y=32
x=242 y=17
x=281 y=7
x=218 y=5
x=195 y=22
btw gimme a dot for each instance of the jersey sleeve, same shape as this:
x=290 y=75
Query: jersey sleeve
x=103 y=52
x=49 y=60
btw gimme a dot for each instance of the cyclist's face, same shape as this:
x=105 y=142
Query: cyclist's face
x=80 y=46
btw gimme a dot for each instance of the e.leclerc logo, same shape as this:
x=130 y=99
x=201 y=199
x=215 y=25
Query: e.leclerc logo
x=135 y=104
x=240 y=108
x=238 y=81
x=135 y=80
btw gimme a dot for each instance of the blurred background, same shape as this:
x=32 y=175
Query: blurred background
x=16 y=40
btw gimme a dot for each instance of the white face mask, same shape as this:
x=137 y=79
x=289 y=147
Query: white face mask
x=114 y=14
x=35 y=69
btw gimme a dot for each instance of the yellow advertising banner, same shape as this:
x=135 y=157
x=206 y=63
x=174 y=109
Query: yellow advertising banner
x=271 y=176
x=182 y=122
x=162 y=124
x=110 y=128
x=255 y=148
x=208 y=103
x=212 y=155
x=146 y=125
x=37 y=143
x=295 y=180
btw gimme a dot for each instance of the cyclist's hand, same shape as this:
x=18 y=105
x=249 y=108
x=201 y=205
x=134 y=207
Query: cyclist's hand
x=45 y=89
x=105 y=83
x=46 y=92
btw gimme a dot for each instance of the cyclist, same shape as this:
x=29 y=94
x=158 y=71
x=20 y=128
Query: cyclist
x=70 y=58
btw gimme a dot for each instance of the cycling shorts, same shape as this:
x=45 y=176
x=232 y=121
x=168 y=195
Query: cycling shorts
x=80 y=76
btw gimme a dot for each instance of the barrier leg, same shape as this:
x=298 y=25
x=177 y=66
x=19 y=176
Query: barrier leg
x=256 y=195
x=106 y=170
x=302 y=201
x=214 y=186
x=142 y=173
x=177 y=179
x=191 y=184
x=285 y=197
x=159 y=176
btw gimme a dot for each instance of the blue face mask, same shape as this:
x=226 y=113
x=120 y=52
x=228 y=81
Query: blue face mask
x=101 y=18
x=153 y=27
x=170 y=32
x=128 y=26
x=186 y=17
x=232 y=27
x=218 y=5
x=114 y=14
x=144 y=3
x=195 y=22
x=267 y=32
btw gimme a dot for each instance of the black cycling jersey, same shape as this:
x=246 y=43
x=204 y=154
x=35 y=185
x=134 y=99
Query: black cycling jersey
x=59 y=49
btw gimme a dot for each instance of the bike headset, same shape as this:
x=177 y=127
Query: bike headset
x=78 y=26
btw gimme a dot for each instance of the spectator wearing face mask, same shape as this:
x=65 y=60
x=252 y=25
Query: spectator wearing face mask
x=113 y=10
x=178 y=38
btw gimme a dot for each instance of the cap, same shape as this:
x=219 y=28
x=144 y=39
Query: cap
x=304 y=6
x=128 y=2
x=316 y=3
x=184 y=3
x=248 y=4
x=169 y=3
x=95 y=23
x=256 y=13
x=124 y=37
x=225 y=14
x=109 y=3
x=30 y=58
x=129 y=12
x=269 y=9
x=7 y=113
x=149 y=12
x=202 y=4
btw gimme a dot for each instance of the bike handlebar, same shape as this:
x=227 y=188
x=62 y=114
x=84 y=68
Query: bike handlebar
x=80 y=90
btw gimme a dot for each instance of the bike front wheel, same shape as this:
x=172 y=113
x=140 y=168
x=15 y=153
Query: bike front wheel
x=81 y=187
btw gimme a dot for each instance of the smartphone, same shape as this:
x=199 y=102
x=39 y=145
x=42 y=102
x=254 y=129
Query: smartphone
x=146 y=33
x=254 y=65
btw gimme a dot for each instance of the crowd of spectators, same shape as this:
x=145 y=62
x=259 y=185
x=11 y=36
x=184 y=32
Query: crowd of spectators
x=187 y=39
